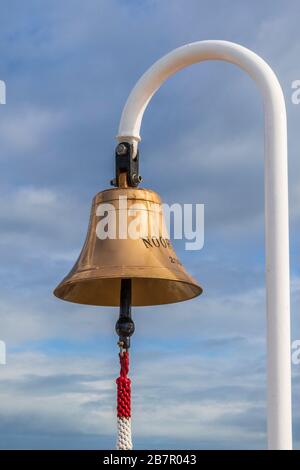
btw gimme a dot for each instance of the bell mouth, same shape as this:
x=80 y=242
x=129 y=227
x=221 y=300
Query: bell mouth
x=145 y=291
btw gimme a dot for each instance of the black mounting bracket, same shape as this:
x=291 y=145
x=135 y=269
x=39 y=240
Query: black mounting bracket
x=125 y=324
x=127 y=162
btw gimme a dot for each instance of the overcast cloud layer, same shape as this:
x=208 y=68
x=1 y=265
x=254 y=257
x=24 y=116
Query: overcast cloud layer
x=198 y=368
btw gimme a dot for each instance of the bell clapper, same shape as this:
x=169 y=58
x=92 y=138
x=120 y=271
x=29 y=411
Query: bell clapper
x=124 y=329
x=125 y=324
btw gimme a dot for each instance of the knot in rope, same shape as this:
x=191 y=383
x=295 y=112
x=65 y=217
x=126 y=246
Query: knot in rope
x=124 y=404
x=124 y=388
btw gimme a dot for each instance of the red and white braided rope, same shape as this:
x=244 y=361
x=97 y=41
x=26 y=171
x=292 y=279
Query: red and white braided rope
x=124 y=404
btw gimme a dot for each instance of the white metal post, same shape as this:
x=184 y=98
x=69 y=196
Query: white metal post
x=276 y=205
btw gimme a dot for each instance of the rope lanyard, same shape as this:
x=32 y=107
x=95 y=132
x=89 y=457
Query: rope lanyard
x=124 y=441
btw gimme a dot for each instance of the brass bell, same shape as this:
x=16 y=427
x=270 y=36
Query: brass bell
x=145 y=256
x=157 y=276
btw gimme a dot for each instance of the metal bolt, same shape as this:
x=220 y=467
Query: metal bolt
x=136 y=178
x=121 y=149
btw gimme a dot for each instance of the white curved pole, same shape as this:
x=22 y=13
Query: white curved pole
x=276 y=206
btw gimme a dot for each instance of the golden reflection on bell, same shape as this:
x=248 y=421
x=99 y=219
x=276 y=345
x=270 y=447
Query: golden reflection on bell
x=127 y=239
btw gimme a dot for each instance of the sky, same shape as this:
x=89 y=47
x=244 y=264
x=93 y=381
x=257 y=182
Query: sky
x=198 y=368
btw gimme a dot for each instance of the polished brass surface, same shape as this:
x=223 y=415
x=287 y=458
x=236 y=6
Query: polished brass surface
x=157 y=275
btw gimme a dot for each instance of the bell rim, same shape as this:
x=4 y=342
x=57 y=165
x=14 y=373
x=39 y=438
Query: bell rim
x=199 y=290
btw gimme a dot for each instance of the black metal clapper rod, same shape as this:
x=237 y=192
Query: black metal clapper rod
x=125 y=324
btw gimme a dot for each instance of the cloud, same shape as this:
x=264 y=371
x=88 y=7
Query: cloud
x=27 y=130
